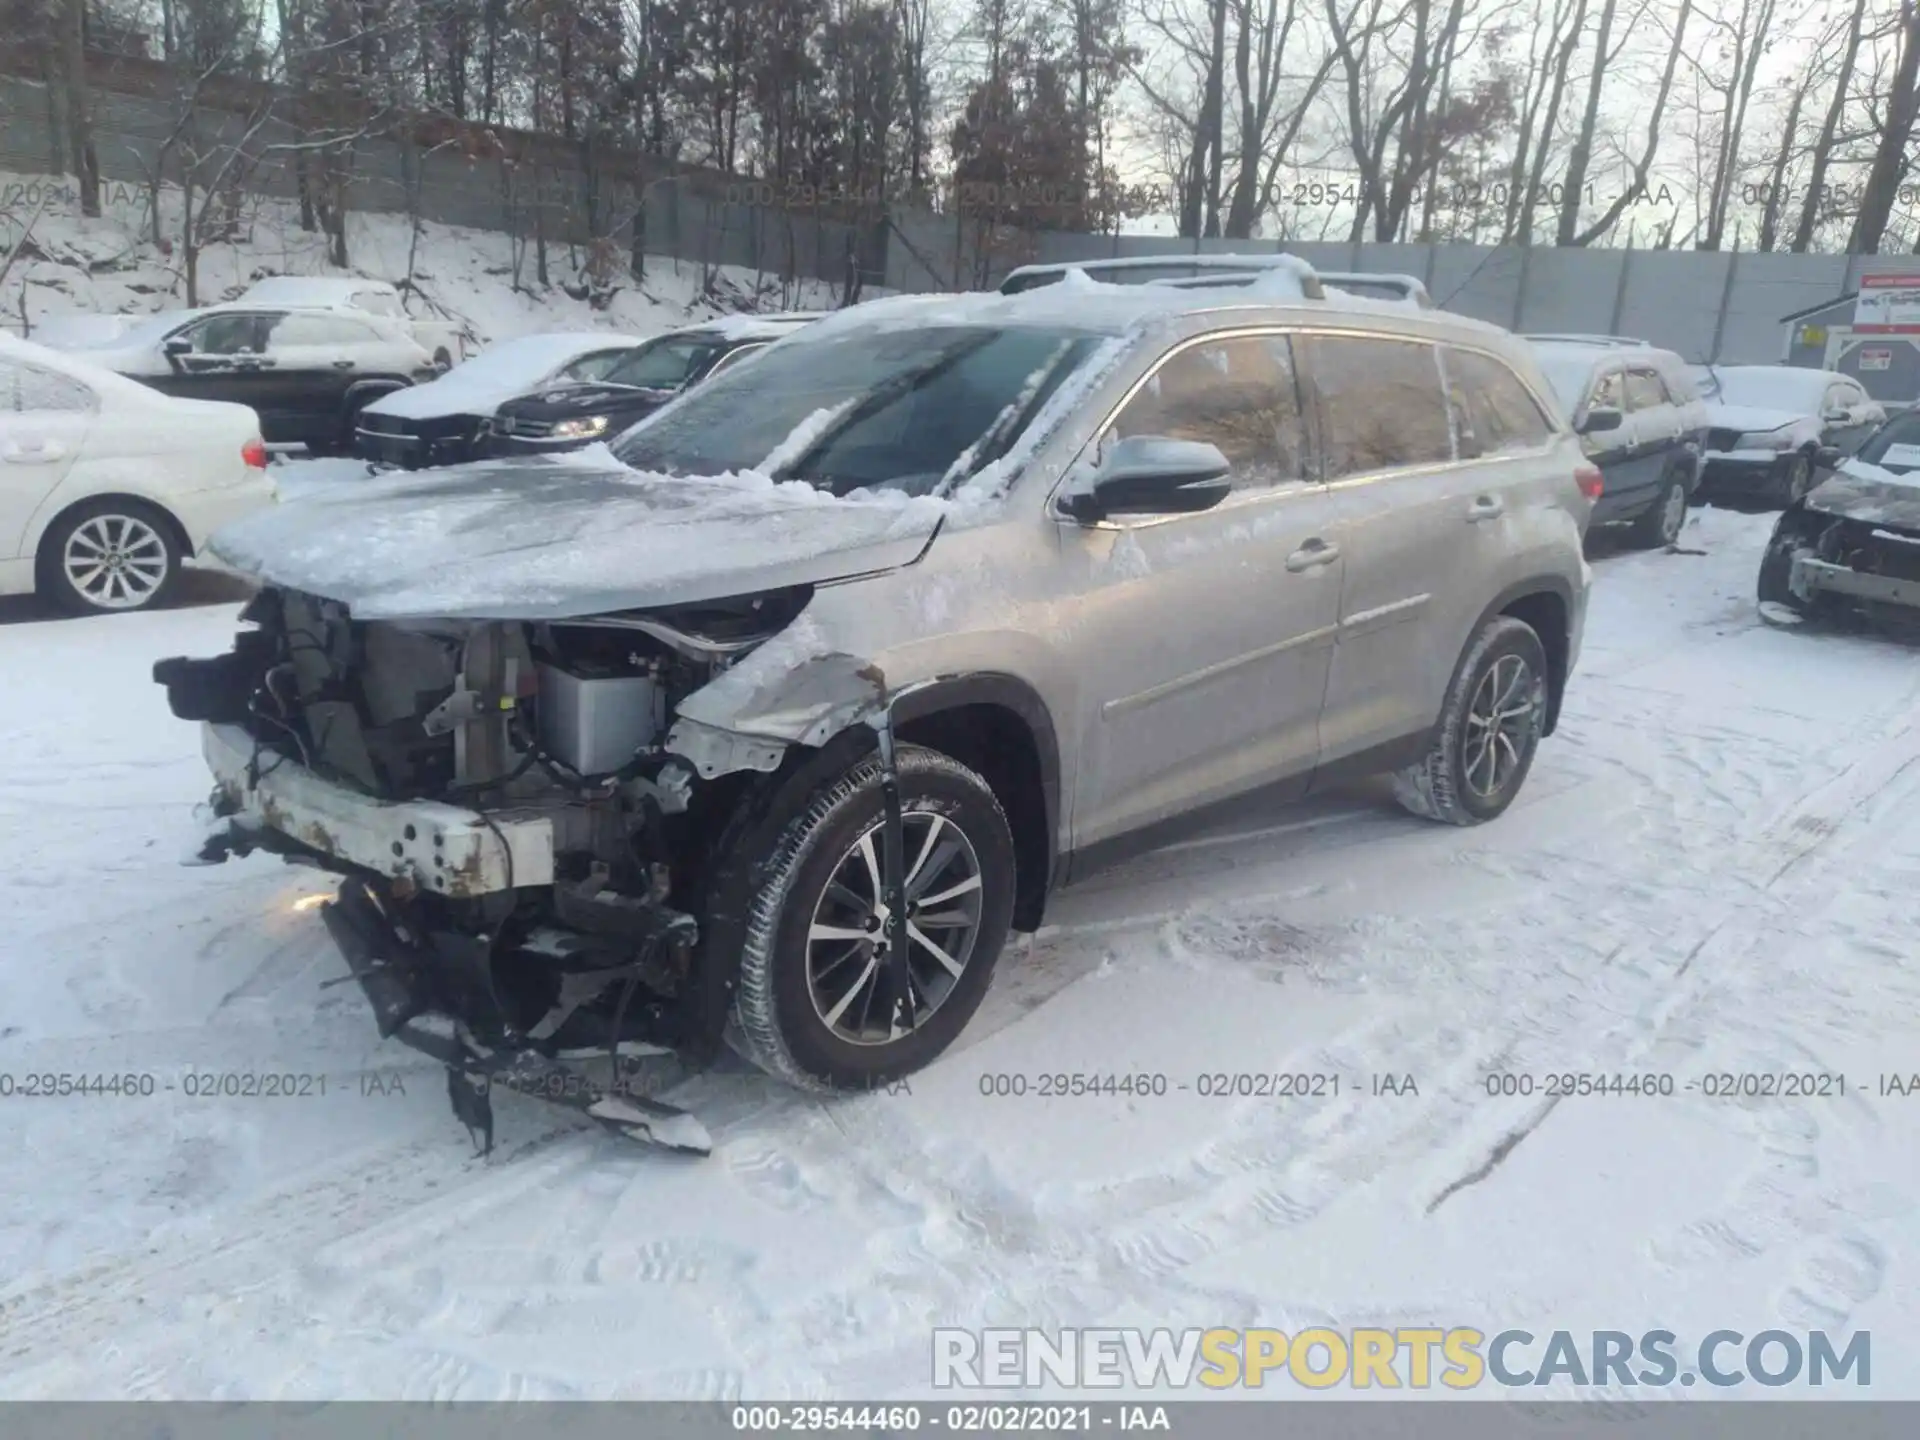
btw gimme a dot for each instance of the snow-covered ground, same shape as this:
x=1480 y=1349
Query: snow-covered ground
x=1712 y=870
x=76 y=268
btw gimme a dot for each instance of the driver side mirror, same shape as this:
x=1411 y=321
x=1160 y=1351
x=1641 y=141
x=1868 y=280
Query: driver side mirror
x=1601 y=419
x=1827 y=457
x=1151 y=475
x=177 y=345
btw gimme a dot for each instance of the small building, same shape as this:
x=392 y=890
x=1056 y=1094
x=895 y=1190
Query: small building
x=1871 y=333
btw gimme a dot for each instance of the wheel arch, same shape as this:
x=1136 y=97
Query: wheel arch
x=1546 y=603
x=43 y=528
x=997 y=724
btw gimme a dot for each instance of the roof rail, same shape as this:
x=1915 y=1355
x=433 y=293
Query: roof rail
x=1384 y=285
x=1618 y=341
x=1189 y=271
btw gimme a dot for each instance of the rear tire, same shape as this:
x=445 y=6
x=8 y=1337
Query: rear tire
x=810 y=1000
x=1489 y=729
x=108 y=557
x=1661 y=522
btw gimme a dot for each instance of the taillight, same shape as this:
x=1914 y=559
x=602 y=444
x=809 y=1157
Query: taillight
x=254 y=453
x=1590 y=480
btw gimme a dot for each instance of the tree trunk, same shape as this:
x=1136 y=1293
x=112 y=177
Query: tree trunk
x=1823 y=146
x=1582 y=156
x=1890 y=157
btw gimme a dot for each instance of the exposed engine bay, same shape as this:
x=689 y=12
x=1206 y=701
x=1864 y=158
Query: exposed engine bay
x=523 y=858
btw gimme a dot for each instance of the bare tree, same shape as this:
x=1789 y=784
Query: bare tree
x=1893 y=149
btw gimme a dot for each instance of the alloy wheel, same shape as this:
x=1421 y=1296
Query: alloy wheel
x=1500 y=722
x=115 y=562
x=847 y=955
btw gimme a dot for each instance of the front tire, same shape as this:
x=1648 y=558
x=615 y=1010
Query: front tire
x=108 y=556
x=1489 y=729
x=1798 y=481
x=812 y=1006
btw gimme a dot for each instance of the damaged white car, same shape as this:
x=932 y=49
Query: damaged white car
x=770 y=723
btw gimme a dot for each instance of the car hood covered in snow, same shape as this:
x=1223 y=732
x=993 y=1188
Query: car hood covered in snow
x=1754 y=419
x=561 y=538
x=1873 y=493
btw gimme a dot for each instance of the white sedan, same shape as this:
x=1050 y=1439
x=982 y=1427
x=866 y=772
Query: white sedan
x=108 y=487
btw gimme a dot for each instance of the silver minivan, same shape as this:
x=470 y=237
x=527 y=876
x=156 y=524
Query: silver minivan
x=769 y=721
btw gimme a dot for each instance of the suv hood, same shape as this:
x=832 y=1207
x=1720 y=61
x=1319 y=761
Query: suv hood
x=1752 y=419
x=566 y=537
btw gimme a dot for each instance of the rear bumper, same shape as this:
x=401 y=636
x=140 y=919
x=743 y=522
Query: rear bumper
x=496 y=446
x=1812 y=576
x=412 y=452
x=442 y=849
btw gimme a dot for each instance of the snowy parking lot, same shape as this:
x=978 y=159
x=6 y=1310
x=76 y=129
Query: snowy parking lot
x=1710 y=875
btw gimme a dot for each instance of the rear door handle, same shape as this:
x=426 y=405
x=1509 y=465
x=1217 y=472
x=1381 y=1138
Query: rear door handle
x=1314 y=553
x=1485 y=507
x=343 y=364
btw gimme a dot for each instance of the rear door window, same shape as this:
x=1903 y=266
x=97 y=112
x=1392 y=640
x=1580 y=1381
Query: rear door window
x=1380 y=403
x=1237 y=394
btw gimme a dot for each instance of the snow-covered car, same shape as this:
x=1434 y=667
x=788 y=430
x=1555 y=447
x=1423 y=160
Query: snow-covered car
x=1853 y=542
x=439 y=422
x=306 y=373
x=1767 y=424
x=568 y=416
x=107 y=486
x=772 y=720
x=445 y=341
x=1641 y=422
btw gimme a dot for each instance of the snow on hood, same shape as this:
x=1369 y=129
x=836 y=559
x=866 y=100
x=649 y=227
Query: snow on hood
x=568 y=536
x=1752 y=419
x=1862 y=491
x=481 y=385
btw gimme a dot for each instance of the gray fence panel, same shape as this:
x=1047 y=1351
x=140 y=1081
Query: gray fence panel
x=1673 y=298
x=1571 y=291
x=1475 y=280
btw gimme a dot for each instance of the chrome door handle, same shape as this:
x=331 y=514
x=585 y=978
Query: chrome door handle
x=1485 y=507
x=1314 y=553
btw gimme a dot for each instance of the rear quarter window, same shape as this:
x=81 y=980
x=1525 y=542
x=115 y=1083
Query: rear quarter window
x=1493 y=409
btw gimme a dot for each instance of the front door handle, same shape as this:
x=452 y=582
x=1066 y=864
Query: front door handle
x=43 y=453
x=343 y=364
x=1485 y=507
x=1313 y=554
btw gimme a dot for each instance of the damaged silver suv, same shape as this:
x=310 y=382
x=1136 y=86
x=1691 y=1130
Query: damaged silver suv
x=768 y=723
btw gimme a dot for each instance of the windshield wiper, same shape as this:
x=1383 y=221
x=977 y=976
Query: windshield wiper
x=879 y=398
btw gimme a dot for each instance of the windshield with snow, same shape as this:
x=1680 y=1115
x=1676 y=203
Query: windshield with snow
x=864 y=408
x=1568 y=375
x=1896 y=445
x=666 y=363
x=1773 y=387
